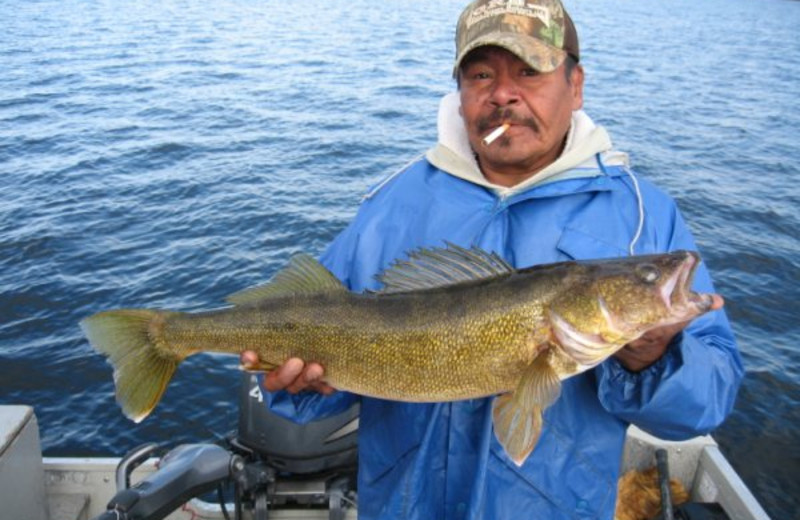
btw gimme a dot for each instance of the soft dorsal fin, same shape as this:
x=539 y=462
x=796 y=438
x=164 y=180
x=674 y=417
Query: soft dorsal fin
x=427 y=268
x=304 y=275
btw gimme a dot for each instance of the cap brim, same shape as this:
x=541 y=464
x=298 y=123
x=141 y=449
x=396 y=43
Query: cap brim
x=539 y=55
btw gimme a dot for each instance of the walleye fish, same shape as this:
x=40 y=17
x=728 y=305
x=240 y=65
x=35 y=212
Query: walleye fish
x=450 y=323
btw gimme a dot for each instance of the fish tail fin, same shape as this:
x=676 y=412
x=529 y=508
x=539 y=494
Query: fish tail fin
x=132 y=340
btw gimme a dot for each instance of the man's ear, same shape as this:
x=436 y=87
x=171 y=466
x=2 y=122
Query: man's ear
x=576 y=84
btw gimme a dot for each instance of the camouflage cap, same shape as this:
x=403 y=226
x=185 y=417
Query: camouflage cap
x=539 y=32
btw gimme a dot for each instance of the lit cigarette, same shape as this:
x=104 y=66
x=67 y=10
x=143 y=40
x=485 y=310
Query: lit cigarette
x=497 y=132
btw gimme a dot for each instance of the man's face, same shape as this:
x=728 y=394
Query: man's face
x=496 y=88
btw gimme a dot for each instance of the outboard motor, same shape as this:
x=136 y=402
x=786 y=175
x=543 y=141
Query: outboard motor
x=272 y=462
x=313 y=464
x=318 y=446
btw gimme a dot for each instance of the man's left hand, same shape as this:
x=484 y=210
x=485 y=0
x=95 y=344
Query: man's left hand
x=643 y=352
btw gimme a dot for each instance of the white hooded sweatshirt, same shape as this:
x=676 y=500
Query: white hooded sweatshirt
x=453 y=153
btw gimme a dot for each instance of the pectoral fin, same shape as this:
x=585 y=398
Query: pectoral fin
x=584 y=348
x=517 y=415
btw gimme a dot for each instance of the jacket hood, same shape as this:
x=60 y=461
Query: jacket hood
x=586 y=144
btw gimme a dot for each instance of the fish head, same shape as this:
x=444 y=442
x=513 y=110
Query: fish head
x=613 y=302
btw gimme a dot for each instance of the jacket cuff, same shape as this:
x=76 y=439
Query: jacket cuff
x=307 y=406
x=620 y=389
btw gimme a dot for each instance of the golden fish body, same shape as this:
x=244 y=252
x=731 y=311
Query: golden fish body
x=410 y=347
x=450 y=324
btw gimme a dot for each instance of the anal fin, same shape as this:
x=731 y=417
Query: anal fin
x=517 y=416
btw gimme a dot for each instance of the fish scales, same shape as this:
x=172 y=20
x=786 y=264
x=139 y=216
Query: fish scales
x=379 y=346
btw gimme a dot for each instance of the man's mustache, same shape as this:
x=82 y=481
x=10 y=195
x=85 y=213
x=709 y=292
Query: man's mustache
x=484 y=124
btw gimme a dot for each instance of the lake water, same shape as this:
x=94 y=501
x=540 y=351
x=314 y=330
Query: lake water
x=166 y=154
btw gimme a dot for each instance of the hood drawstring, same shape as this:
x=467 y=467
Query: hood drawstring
x=639 y=202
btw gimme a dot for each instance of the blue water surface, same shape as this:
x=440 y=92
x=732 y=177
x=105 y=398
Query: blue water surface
x=168 y=153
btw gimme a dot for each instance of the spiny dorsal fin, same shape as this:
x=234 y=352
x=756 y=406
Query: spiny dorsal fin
x=303 y=276
x=427 y=268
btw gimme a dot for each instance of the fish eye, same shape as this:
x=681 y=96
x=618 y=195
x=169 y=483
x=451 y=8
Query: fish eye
x=648 y=273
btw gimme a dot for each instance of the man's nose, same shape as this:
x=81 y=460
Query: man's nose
x=505 y=91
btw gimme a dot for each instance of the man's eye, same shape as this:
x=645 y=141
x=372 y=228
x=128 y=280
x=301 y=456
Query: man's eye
x=530 y=72
x=476 y=73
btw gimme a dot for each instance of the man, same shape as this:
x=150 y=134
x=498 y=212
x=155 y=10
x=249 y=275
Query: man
x=549 y=188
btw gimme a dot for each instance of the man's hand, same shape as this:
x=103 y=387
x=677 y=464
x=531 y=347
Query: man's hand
x=293 y=376
x=643 y=352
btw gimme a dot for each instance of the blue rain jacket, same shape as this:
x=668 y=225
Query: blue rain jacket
x=442 y=461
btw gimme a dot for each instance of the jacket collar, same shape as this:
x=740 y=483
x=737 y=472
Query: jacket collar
x=585 y=141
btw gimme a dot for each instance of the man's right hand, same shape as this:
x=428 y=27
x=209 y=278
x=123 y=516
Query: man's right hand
x=293 y=376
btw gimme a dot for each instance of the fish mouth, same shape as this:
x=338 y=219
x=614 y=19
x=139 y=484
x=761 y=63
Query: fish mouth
x=677 y=292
